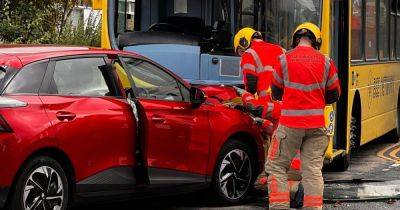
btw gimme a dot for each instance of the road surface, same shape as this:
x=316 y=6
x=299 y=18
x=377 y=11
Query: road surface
x=376 y=161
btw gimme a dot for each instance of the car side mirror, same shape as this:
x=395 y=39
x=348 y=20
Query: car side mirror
x=197 y=96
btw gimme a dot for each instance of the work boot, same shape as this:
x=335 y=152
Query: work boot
x=297 y=197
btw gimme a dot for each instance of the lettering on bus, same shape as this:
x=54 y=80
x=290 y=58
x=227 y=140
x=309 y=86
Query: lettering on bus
x=379 y=87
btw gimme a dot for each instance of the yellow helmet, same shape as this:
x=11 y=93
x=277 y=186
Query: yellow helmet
x=311 y=31
x=244 y=37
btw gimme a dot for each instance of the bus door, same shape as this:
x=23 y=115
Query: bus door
x=339 y=53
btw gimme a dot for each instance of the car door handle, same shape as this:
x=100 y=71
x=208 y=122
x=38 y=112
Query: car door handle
x=157 y=119
x=65 y=116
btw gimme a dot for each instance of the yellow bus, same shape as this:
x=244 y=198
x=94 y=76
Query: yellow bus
x=193 y=38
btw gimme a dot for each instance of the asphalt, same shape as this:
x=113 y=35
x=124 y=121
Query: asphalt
x=371 y=180
x=369 y=183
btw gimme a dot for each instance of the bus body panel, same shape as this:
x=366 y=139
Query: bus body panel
x=225 y=69
x=378 y=86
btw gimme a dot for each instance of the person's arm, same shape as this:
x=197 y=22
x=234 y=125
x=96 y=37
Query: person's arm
x=333 y=91
x=250 y=77
x=263 y=109
x=277 y=84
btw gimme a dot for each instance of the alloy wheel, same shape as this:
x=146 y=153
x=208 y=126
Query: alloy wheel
x=43 y=190
x=235 y=174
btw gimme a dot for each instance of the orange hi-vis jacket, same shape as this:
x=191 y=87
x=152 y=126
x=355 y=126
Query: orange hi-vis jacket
x=308 y=79
x=257 y=67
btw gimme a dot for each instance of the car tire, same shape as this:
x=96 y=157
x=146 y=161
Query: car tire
x=234 y=173
x=36 y=175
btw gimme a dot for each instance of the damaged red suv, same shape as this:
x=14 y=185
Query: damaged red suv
x=80 y=123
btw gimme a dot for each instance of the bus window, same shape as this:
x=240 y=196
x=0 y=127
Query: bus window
x=392 y=39
x=370 y=29
x=125 y=16
x=121 y=16
x=222 y=29
x=398 y=30
x=356 y=30
x=384 y=30
x=222 y=15
x=283 y=16
x=247 y=14
x=393 y=6
x=398 y=38
x=130 y=14
x=251 y=14
x=180 y=7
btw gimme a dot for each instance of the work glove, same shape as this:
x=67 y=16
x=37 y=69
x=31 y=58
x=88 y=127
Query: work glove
x=239 y=91
x=267 y=127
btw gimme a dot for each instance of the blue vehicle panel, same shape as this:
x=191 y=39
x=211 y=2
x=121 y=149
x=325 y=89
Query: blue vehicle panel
x=187 y=62
x=225 y=69
x=183 y=60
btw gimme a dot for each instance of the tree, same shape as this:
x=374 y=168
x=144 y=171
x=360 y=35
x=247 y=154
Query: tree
x=36 y=21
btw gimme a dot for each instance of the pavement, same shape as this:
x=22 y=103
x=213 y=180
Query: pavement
x=374 y=175
x=371 y=180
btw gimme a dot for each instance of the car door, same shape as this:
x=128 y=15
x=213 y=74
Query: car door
x=176 y=134
x=93 y=124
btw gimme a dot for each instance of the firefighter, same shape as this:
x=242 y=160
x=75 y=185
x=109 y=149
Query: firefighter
x=257 y=61
x=306 y=81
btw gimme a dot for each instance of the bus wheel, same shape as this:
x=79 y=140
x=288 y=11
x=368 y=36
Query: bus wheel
x=355 y=133
x=397 y=135
x=394 y=135
x=342 y=162
x=398 y=121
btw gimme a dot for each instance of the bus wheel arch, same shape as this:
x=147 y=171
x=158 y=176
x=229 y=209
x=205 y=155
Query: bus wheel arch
x=355 y=123
x=398 y=116
x=394 y=135
x=342 y=162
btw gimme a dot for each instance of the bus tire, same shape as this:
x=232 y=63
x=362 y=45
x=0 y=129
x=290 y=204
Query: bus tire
x=342 y=162
x=394 y=135
x=397 y=131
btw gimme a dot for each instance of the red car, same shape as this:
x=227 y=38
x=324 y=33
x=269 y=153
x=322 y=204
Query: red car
x=80 y=123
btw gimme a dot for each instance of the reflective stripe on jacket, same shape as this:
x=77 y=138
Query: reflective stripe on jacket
x=257 y=67
x=305 y=75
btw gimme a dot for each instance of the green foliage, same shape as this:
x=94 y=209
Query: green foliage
x=81 y=35
x=45 y=22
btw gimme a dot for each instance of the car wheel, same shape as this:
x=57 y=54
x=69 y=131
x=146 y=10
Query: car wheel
x=234 y=173
x=42 y=185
